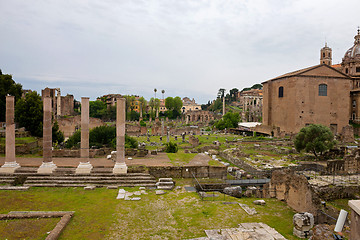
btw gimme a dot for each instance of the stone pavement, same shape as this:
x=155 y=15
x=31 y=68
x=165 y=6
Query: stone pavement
x=160 y=159
x=245 y=231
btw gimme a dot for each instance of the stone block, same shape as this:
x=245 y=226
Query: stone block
x=120 y=168
x=159 y=192
x=259 y=202
x=303 y=221
x=9 y=167
x=89 y=187
x=84 y=168
x=47 y=168
x=233 y=191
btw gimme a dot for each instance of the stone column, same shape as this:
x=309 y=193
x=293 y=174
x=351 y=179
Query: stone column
x=47 y=165
x=162 y=127
x=84 y=165
x=223 y=105
x=10 y=162
x=58 y=109
x=120 y=165
x=141 y=113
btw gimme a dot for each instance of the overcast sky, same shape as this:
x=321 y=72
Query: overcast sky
x=187 y=48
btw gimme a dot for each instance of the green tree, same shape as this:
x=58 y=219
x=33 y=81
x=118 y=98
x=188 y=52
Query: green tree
x=102 y=136
x=315 y=138
x=173 y=106
x=216 y=105
x=233 y=94
x=152 y=106
x=143 y=104
x=29 y=113
x=229 y=120
x=57 y=135
x=97 y=108
x=221 y=93
x=8 y=86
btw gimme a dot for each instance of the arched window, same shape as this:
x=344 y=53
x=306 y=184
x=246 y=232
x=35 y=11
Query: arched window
x=322 y=90
x=281 y=92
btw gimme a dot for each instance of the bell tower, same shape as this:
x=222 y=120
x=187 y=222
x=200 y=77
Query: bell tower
x=326 y=55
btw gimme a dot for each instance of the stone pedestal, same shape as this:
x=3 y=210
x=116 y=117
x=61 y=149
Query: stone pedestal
x=84 y=168
x=120 y=165
x=10 y=163
x=9 y=167
x=47 y=166
x=120 y=168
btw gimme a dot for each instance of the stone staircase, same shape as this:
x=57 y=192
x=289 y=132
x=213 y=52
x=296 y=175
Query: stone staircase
x=66 y=177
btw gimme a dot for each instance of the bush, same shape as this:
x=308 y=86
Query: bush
x=171 y=147
x=314 y=138
x=130 y=142
x=74 y=140
x=142 y=123
x=103 y=136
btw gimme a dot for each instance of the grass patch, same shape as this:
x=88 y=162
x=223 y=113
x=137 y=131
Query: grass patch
x=175 y=215
x=180 y=158
x=93 y=209
x=36 y=228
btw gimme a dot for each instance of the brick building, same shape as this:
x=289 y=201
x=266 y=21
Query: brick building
x=323 y=94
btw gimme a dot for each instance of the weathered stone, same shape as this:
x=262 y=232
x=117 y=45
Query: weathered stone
x=138 y=193
x=259 y=202
x=233 y=191
x=247 y=209
x=303 y=223
x=135 y=199
x=112 y=187
x=159 y=192
x=89 y=187
x=322 y=231
x=121 y=194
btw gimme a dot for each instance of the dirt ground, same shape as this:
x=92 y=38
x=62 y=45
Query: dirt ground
x=161 y=159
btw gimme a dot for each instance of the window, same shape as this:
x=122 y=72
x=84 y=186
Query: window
x=357 y=69
x=323 y=54
x=281 y=92
x=346 y=70
x=322 y=90
x=329 y=54
x=354 y=103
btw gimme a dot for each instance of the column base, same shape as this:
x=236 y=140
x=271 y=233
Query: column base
x=84 y=168
x=47 y=167
x=9 y=167
x=120 y=168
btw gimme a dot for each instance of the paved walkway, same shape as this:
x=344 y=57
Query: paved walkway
x=161 y=159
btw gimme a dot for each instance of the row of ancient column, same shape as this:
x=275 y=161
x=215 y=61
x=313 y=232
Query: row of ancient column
x=48 y=166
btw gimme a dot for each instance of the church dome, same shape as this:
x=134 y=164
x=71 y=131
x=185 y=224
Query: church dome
x=354 y=50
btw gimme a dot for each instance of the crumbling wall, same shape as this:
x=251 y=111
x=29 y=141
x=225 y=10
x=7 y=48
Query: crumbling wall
x=294 y=189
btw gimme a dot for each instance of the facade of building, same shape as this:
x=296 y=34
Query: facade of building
x=189 y=105
x=251 y=103
x=61 y=105
x=323 y=94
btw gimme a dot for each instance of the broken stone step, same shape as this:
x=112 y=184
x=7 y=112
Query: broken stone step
x=164 y=183
x=165 y=180
x=165 y=187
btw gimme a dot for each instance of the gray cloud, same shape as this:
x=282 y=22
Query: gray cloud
x=188 y=48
